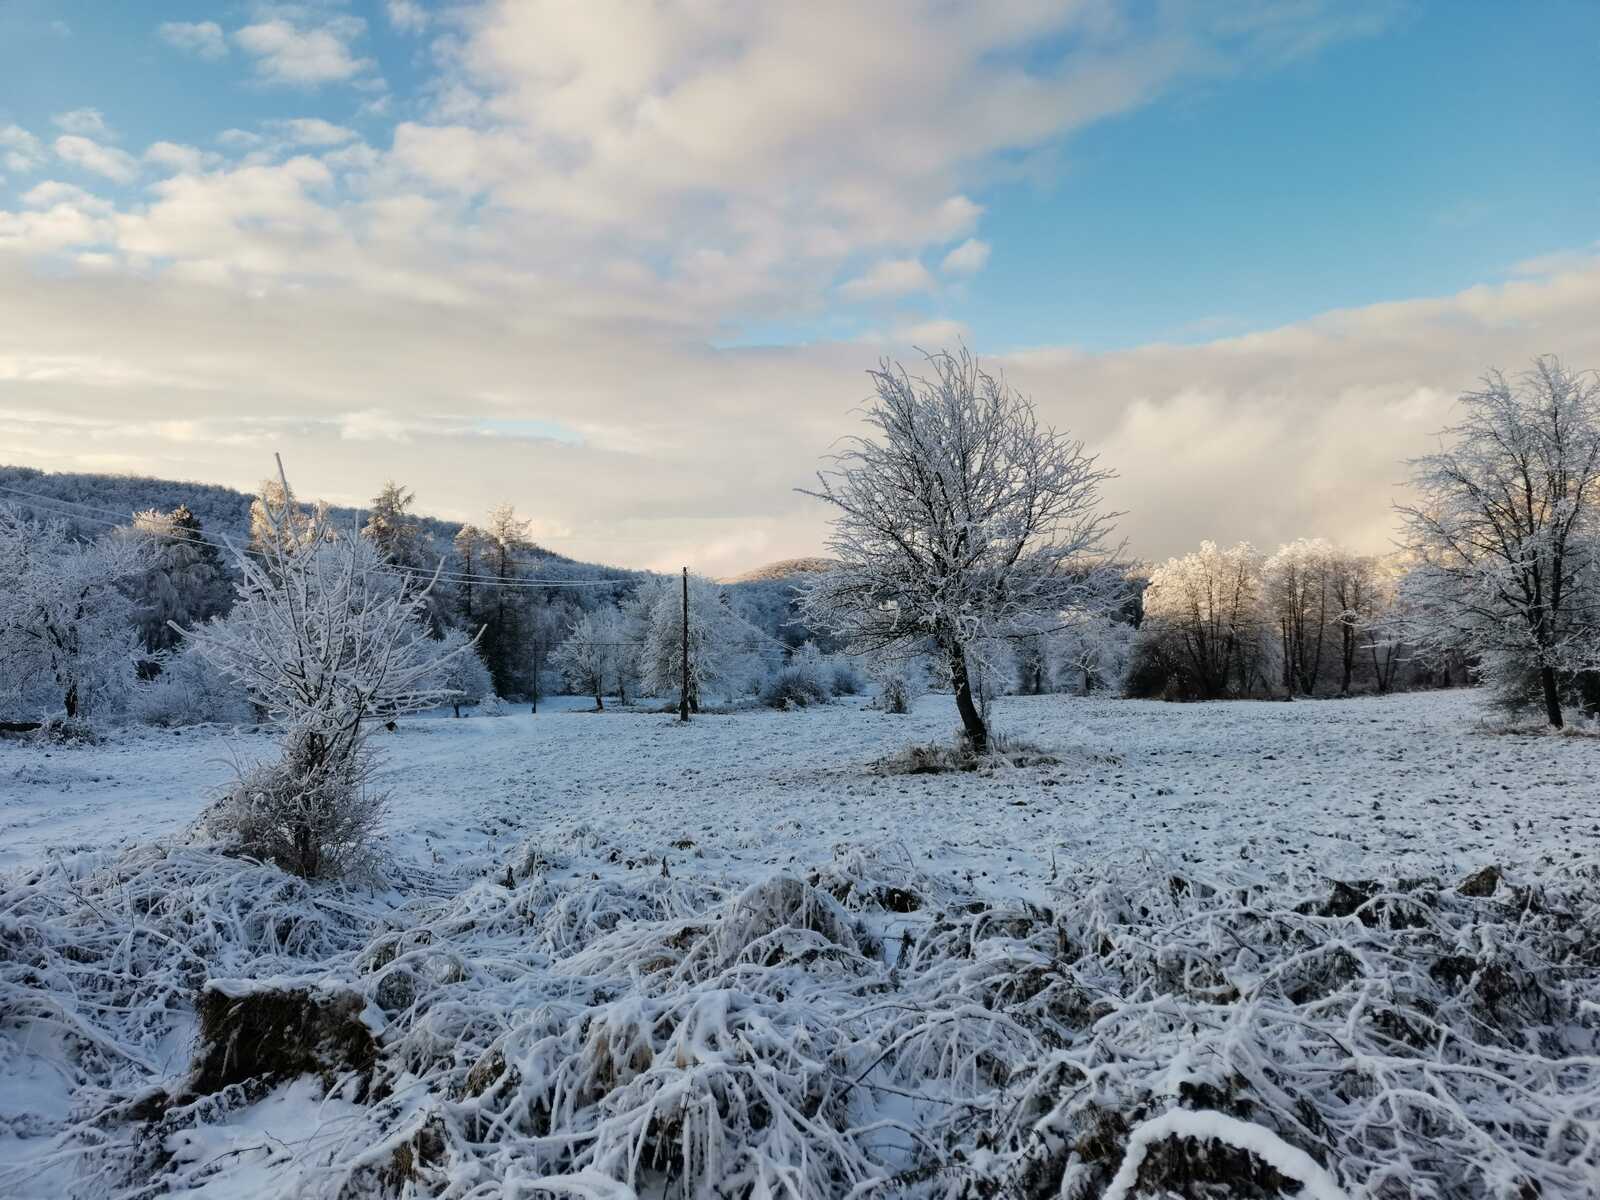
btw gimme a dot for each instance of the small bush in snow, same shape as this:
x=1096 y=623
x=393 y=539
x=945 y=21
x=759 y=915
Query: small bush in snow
x=845 y=680
x=58 y=730
x=190 y=691
x=309 y=813
x=793 y=687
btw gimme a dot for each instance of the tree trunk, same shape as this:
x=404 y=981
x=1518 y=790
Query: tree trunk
x=599 y=701
x=977 y=732
x=1552 y=697
x=458 y=710
x=70 y=703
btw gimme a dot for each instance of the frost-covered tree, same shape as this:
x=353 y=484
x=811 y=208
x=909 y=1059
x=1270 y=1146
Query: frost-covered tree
x=724 y=649
x=400 y=539
x=584 y=658
x=68 y=626
x=460 y=674
x=622 y=659
x=1297 y=593
x=394 y=531
x=185 y=581
x=1353 y=582
x=960 y=523
x=467 y=552
x=325 y=640
x=504 y=606
x=279 y=525
x=1091 y=652
x=1206 y=608
x=1506 y=527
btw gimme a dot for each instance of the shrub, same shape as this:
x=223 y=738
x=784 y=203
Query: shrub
x=846 y=680
x=308 y=812
x=793 y=687
x=66 y=731
x=190 y=691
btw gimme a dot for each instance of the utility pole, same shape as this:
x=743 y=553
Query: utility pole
x=683 y=693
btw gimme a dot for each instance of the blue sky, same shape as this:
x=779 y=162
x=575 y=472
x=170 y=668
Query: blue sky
x=1458 y=141
x=505 y=248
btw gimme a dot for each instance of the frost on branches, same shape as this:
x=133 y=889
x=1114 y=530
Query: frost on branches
x=961 y=525
x=67 y=627
x=725 y=650
x=1506 y=530
x=325 y=637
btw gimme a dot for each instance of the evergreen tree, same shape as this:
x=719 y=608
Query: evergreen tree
x=184 y=579
x=397 y=535
x=504 y=605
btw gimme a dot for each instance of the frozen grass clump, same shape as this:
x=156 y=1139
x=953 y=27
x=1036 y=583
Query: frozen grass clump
x=860 y=1028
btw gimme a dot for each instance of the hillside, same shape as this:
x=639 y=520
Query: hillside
x=786 y=568
x=92 y=502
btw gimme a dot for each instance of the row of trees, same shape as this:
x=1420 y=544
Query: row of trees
x=1311 y=619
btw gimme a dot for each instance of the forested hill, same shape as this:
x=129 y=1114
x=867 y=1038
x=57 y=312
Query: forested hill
x=87 y=502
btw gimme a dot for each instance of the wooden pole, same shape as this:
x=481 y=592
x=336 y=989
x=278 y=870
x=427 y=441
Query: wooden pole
x=683 y=693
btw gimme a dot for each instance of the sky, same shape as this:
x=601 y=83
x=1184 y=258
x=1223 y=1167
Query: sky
x=625 y=265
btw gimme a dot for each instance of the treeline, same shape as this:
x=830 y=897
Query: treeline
x=541 y=621
x=1312 y=619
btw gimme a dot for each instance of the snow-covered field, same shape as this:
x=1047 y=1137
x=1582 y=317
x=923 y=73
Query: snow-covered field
x=1406 y=784
x=588 y=812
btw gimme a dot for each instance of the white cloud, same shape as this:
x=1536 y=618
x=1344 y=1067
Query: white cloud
x=304 y=56
x=203 y=39
x=572 y=212
x=84 y=152
x=20 y=151
x=53 y=192
x=175 y=156
x=312 y=131
x=936 y=333
x=968 y=258
x=892 y=277
x=90 y=122
x=407 y=16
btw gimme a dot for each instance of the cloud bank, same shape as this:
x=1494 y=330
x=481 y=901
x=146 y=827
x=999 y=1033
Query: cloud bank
x=518 y=291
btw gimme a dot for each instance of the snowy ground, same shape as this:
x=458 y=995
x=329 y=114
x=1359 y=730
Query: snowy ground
x=1392 y=788
x=1407 y=784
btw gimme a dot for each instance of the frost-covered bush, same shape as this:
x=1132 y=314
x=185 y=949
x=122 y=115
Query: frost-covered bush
x=794 y=687
x=804 y=680
x=461 y=674
x=845 y=679
x=899 y=682
x=190 y=691
x=493 y=706
x=325 y=639
x=310 y=812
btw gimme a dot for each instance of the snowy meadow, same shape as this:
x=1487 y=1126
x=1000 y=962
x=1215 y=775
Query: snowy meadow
x=1256 y=946
x=874 y=880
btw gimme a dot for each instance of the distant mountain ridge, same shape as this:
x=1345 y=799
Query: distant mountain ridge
x=784 y=568
x=88 y=502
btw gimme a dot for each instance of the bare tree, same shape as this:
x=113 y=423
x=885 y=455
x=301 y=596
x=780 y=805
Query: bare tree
x=1207 y=606
x=325 y=639
x=1353 y=584
x=962 y=522
x=1295 y=587
x=1505 y=526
